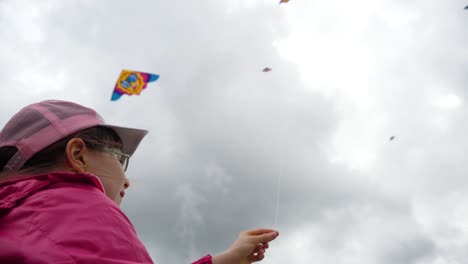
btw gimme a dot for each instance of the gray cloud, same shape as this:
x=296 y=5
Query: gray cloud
x=222 y=132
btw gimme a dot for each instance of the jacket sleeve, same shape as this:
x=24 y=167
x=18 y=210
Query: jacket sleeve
x=11 y=253
x=87 y=226
x=205 y=260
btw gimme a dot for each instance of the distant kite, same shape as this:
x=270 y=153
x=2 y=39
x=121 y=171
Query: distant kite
x=391 y=138
x=267 y=69
x=466 y=7
x=132 y=82
x=283 y=1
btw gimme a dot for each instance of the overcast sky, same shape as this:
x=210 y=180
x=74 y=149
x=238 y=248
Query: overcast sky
x=224 y=136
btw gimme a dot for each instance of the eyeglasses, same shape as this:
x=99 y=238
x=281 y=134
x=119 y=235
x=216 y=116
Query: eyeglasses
x=123 y=158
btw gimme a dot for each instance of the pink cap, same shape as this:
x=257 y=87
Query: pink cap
x=37 y=126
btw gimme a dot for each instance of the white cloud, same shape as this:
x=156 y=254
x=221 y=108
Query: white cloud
x=448 y=102
x=346 y=76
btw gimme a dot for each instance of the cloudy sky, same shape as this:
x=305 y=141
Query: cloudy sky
x=304 y=148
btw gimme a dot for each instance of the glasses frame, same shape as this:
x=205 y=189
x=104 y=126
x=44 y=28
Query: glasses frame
x=122 y=157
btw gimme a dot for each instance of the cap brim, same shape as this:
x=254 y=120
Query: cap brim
x=131 y=137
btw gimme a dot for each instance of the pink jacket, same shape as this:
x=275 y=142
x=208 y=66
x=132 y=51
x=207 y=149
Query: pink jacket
x=65 y=218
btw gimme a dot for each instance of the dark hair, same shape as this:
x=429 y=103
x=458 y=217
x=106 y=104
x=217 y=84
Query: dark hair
x=48 y=158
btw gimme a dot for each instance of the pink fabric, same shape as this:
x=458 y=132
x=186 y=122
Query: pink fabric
x=65 y=218
x=205 y=260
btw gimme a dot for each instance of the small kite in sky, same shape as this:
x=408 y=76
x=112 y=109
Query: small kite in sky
x=466 y=7
x=267 y=69
x=283 y=1
x=391 y=138
x=132 y=82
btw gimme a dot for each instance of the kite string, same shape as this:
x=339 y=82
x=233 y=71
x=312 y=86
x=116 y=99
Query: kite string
x=278 y=192
x=280 y=174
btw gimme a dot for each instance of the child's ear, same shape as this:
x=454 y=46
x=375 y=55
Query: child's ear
x=75 y=153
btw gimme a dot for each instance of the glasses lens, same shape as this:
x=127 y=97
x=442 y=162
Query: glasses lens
x=124 y=161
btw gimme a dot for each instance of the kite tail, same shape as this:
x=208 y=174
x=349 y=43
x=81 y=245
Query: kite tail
x=153 y=77
x=115 y=96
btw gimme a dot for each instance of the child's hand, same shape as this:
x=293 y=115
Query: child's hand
x=248 y=248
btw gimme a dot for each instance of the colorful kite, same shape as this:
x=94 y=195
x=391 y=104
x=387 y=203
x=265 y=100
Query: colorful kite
x=267 y=69
x=283 y=1
x=132 y=82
